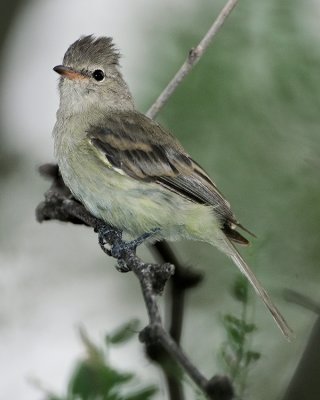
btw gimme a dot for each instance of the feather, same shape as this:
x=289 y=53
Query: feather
x=130 y=143
x=262 y=293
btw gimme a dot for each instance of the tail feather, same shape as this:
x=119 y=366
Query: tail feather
x=245 y=269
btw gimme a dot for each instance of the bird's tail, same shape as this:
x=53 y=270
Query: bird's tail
x=233 y=253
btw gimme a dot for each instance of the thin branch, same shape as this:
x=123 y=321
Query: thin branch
x=193 y=57
x=183 y=279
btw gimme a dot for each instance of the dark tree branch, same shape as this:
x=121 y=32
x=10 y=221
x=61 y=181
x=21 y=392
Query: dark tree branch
x=183 y=279
x=305 y=381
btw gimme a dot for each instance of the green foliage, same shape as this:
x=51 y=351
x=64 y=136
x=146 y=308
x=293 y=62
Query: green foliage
x=236 y=351
x=93 y=378
x=240 y=290
x=123 y=333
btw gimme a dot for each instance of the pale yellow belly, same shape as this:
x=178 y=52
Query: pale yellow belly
x=133 y=206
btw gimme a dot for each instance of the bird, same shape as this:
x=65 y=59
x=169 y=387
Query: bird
x=129 y=171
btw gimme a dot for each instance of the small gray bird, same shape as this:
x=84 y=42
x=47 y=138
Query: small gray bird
x=128 y=170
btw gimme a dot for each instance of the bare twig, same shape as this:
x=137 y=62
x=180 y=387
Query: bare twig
x=193 y=57
x=59 y=205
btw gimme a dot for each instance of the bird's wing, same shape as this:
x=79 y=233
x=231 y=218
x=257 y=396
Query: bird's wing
x=138 y=147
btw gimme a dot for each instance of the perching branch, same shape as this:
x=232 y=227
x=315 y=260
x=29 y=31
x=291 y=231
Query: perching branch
x=60 y=205
x=193 y=57
x=183 y=279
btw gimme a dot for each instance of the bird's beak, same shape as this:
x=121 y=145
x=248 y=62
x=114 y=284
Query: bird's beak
x=68 y=72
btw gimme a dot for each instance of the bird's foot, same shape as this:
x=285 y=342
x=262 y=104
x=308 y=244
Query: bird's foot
x=120 y=246
x=132 y=245
x=104 y=235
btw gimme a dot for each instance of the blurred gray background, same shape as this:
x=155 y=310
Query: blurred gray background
x=249 y=113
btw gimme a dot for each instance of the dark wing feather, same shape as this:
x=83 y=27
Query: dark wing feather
x=130 y=143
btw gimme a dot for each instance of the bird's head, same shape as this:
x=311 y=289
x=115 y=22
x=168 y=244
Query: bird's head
x=90 y=76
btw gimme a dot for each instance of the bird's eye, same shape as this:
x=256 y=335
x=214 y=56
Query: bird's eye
x=98 y=75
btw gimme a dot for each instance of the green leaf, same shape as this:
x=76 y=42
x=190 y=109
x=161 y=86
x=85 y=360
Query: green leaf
x=94 y=379
x=124 y=332
x=236 y=336
x=231 y=320
x=249 y=328
x=251 y=357
x=227 y=357
x=93 y=352
x=240 y=289
x=144 y=394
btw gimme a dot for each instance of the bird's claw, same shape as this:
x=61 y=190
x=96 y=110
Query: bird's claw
x=132 y=245
x=117 y=249
x=103 y=235
x=121 y=266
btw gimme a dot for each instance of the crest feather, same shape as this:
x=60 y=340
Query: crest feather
x=88 y=49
